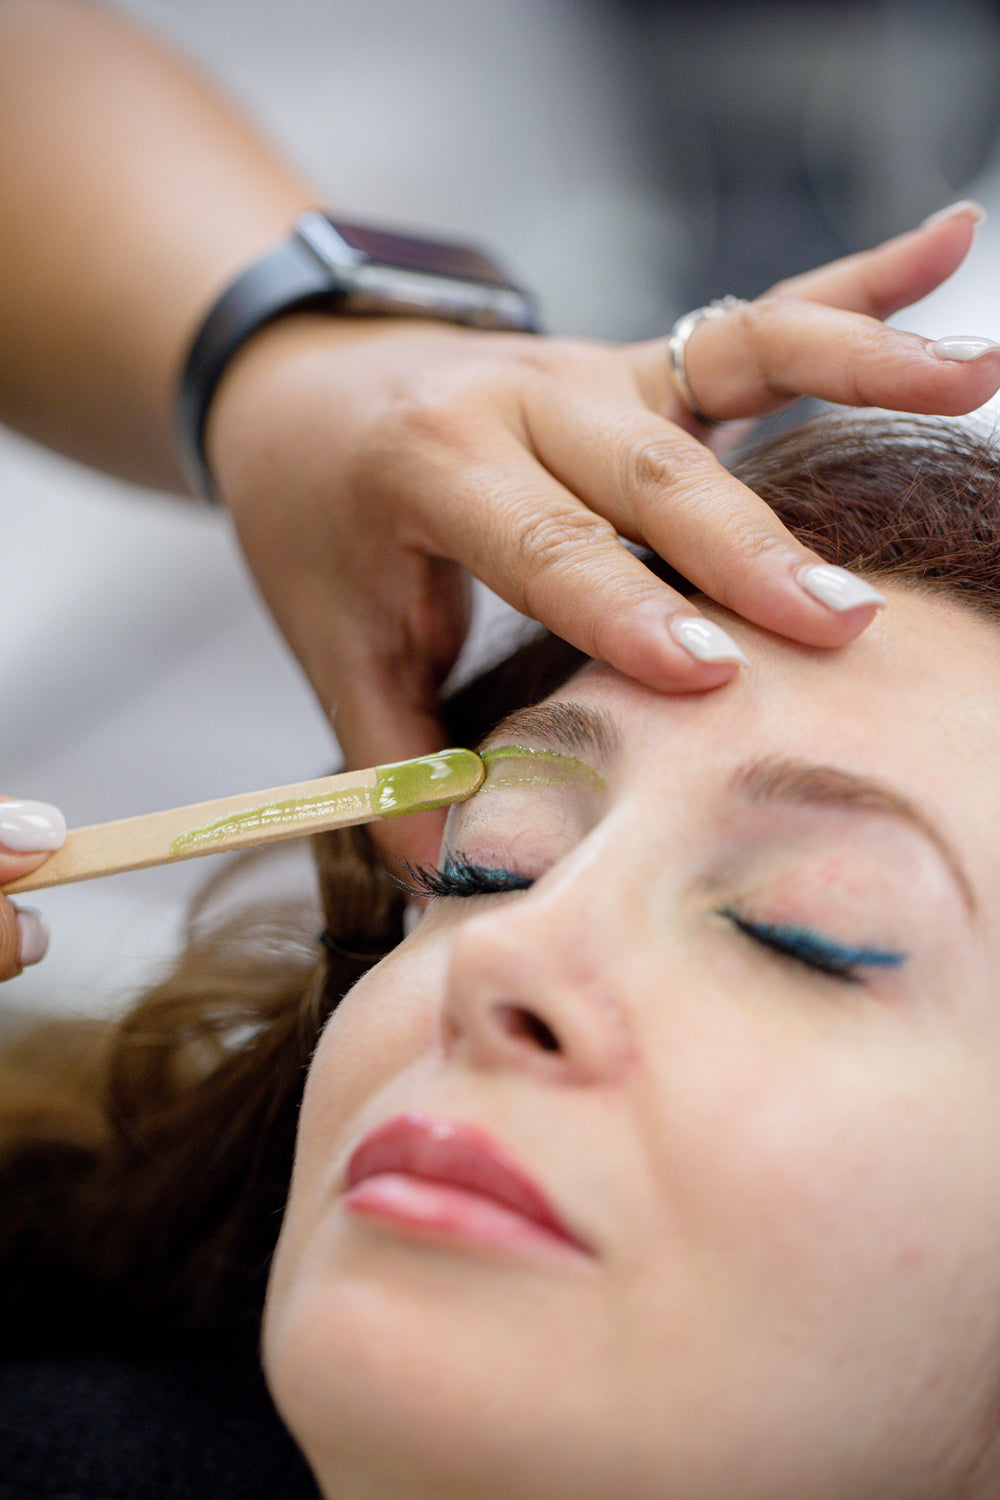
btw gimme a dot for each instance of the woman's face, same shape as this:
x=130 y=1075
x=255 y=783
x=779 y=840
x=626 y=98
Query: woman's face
x=679 y=1167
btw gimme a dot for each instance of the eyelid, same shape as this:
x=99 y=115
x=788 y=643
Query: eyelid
x=532 y=806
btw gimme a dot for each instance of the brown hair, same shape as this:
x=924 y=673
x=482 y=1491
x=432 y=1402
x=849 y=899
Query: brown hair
x=144 y=1164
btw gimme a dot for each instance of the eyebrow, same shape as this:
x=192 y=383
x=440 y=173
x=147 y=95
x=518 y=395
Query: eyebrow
x=777 y=779
x=578 y=730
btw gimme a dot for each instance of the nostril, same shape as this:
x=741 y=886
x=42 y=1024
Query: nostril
x=523 y=1025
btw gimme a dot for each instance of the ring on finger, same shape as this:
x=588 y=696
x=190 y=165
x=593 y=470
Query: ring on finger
x=677 y=345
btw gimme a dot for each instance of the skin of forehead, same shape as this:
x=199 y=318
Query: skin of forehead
x=930 y=661
x=914 y=701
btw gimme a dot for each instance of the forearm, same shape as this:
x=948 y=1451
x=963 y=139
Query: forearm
x=132 y=194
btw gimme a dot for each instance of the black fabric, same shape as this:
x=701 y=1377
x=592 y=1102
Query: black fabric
x=192 y=1422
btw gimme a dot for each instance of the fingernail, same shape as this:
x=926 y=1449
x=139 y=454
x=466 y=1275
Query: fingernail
x=975 y=211
x=836 y=588
x=706 y=641
x=32 y=936
x=962 y=346
x=31 y=827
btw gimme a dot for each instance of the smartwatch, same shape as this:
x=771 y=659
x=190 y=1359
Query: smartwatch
x=344 y=268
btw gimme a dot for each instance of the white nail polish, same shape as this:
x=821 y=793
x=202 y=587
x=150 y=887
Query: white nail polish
x=31 y=827
x=961 y=346
x=837 y=588
x=968 y=206
x=706 y=641
x=32 y=936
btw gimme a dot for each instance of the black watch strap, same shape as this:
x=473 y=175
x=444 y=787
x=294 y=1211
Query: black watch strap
x=342 y=268
x=288 y=279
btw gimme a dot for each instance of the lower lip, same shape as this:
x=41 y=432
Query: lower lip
x=424 y=1209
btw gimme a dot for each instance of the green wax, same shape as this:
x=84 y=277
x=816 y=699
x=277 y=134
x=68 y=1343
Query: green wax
x=431 y=781
x=352 y=801
x=410 y=786
x=541 y=767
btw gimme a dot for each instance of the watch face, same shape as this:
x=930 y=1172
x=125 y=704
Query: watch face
x=372 y=270
x=413 y=253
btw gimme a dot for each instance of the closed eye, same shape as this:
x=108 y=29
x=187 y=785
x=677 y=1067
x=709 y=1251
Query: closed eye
x=815 y=950
x=459 y=876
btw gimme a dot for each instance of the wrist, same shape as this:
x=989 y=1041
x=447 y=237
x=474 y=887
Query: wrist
x=301 y=402
x=349 y=270
x=265 y=405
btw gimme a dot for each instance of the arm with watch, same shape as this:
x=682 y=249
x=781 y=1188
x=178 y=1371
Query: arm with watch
x=374 y=407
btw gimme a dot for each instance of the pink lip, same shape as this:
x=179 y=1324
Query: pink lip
x=440 y=1177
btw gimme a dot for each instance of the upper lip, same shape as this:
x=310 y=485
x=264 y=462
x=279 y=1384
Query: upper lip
x=458 y=1155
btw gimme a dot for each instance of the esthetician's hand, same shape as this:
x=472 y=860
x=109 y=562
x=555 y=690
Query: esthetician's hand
x=29 y=831
x=367 y=465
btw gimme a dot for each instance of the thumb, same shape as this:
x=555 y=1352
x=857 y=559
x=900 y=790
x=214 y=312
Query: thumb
x=24 y=937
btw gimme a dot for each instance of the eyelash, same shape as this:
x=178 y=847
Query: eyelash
x=461 y=877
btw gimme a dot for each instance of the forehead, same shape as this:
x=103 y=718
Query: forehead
x=915 y=702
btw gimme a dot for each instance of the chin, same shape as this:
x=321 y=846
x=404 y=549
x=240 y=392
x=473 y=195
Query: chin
x=414 y=1382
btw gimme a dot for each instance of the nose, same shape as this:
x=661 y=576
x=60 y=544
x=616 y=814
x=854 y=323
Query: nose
x=531 y=985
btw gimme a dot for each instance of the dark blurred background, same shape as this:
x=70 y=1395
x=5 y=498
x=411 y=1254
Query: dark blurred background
x=788 y=133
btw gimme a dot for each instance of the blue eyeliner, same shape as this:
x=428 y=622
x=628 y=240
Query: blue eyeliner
x=815 y=949
x=474 y=878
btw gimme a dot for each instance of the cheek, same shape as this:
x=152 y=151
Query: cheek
x=832 y=1218
x=388 y=1020
x=862 y=1173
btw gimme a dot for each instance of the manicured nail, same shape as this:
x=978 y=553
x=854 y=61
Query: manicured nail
x=32 y=936
x=962 y=346
x=706 y=641
x=836 y=588
x=968 y=206
x=31 y=827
